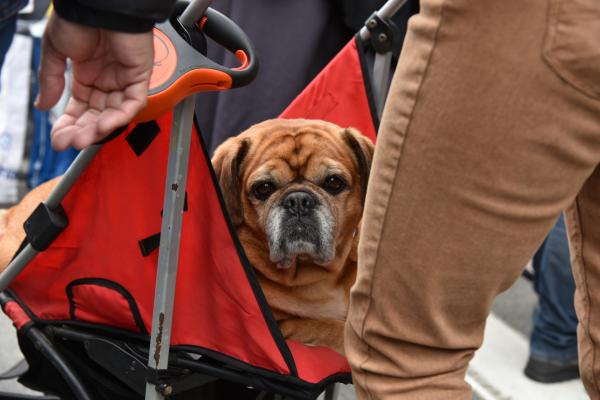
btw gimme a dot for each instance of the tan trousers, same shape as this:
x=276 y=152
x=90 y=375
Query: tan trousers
x=492 y=128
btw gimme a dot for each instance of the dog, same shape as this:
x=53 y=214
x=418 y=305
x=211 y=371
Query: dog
x=11 y=221
x=295 y=192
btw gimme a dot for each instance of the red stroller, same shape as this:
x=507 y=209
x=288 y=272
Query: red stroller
x=96 y=312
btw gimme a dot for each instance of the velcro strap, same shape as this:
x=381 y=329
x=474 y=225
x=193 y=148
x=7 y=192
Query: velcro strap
x=149 y=244
x=141 y=136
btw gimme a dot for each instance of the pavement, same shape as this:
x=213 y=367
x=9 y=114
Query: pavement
x=495 y=373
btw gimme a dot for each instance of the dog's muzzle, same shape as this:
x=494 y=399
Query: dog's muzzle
x=300 y=225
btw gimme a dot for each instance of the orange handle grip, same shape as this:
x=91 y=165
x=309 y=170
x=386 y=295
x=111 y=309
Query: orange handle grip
x=180 y=70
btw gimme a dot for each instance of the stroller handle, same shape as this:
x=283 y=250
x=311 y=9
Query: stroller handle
x=180 y=67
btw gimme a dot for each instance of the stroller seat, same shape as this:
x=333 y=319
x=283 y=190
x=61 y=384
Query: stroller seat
x=98 y=277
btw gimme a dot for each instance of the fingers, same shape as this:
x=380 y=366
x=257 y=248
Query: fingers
x=123 y=107
x=70 y=124
x=62 y=138
x=51 y=72
x=113 y=118
x=82 y=125
x=78 y=133
x=65 y=128
x=109 y=88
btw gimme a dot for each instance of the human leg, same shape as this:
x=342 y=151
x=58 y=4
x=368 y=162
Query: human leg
x=482 y=145
x=553 y=344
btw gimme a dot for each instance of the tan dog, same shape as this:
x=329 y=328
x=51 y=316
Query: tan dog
x=295 y=192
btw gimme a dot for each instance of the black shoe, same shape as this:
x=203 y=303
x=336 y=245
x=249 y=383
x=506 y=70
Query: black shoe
x=551 y=371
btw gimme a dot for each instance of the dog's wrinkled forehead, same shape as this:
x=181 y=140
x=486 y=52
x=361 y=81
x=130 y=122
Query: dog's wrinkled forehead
x=293 y=151
x=286 y=153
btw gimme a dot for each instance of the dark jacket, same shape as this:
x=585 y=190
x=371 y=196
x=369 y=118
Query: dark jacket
x=117 y=15
x=8 y=8
x=294 y=40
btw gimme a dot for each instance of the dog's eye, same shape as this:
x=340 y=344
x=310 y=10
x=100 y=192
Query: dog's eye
x=334 y=184
x=263 y=190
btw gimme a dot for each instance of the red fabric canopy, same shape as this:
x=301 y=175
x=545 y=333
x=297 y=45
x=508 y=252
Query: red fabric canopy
x=340 y=93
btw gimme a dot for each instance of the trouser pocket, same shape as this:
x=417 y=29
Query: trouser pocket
x=572 y=43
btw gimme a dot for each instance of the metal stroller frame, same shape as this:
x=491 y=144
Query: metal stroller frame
x=174 y=374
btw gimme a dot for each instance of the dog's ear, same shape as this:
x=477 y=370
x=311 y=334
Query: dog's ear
x=363 y=149
x=227 y=162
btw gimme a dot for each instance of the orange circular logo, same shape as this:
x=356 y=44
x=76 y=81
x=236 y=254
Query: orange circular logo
x=165 y=59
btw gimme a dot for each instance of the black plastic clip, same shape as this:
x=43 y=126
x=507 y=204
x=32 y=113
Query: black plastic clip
x=156 y=376
x=44 y=225
x=149 y=244
x=169 y=382
x=384 y=33
x=161 y=379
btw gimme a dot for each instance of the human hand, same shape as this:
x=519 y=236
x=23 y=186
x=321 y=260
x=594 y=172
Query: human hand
x=110 y=75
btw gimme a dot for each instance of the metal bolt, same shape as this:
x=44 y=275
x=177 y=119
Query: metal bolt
x=165 y=389
x=383 y=37
x=372 y=24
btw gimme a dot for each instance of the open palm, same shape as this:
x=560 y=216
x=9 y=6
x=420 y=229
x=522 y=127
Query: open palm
x=110 y=78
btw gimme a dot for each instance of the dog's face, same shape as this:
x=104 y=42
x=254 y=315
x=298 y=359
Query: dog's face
x=298 y=183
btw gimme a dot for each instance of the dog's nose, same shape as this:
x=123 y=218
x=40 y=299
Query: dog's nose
x=299 y=203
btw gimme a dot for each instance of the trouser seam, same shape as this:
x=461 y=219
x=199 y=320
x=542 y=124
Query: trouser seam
x=389 y=194
x=578 y=250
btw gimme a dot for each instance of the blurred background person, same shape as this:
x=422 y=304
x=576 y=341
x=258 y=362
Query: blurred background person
x=294 y=40
x=8 y=23
x=553 y=344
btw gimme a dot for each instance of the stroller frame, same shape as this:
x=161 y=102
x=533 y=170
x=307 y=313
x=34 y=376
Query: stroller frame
x=161 y=372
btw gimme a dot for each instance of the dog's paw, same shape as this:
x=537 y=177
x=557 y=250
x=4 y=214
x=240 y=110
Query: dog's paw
x=287 y=327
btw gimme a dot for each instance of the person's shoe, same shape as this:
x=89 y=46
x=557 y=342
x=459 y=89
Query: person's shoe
x=551 y=371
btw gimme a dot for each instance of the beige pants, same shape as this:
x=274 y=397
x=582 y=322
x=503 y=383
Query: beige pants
x=492 y=128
